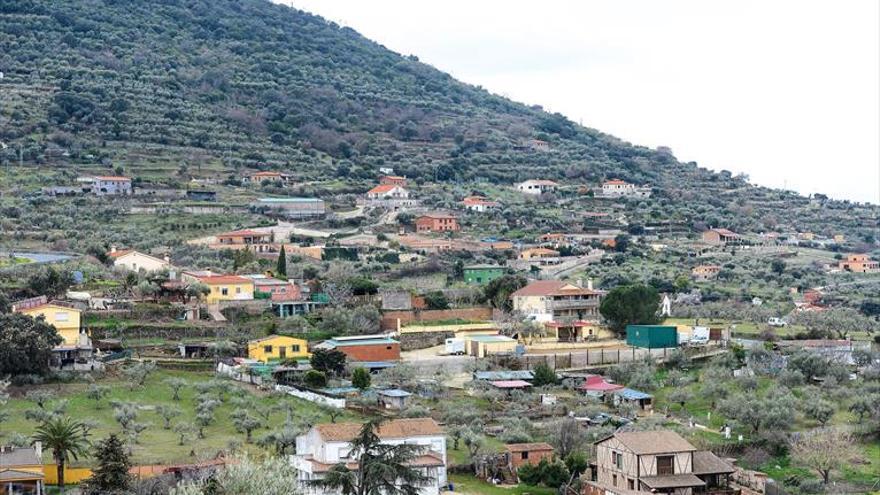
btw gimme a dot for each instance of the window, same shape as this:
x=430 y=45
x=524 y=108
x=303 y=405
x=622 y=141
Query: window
x=388 y=348
x=665 y=465
x=295 y=347
x=224 y=291
x=524 y=455
x=617 y=459
x=238 y=290
x=613 y=480
x=630 y=484
x=267 y=349
x=61 y=316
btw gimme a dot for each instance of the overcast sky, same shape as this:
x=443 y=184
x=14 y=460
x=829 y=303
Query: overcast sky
x=786 y=91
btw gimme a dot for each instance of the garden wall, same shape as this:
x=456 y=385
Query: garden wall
x=390 y=319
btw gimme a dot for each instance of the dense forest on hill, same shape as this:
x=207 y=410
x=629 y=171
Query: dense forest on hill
x=219 y=86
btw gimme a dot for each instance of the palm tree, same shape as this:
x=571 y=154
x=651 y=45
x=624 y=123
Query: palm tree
x=66 y=438
x=382 y=468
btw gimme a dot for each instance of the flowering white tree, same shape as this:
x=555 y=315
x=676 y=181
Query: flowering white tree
x=273 y=476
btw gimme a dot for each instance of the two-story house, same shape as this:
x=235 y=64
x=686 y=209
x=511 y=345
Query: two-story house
x=656 y=462
x=557 y=301
x=75 y=346
x=859 y=263
x=437 y=222
x=329 y=444
x=111 y=185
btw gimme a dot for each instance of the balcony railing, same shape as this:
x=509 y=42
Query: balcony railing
x=573 y=303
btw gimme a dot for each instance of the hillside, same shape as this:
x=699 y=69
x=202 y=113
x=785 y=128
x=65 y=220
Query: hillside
x=173 y=89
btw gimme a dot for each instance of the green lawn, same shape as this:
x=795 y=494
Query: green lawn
x=470 y=485
x=157 y=445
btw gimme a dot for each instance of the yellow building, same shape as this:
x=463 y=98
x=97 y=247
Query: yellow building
x=228 y=288
x=278 y=347
x=65 y=319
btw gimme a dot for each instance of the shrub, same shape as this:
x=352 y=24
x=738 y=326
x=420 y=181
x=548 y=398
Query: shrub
x=315 y=379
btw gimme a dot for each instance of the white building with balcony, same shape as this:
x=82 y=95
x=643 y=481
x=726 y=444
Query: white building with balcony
x=329 y=444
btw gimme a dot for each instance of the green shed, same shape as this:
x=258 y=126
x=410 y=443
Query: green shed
x=651 y=336
x=482 y=274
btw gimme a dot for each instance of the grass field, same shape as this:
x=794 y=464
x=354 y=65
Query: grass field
x=470 y=485
x=157 y=445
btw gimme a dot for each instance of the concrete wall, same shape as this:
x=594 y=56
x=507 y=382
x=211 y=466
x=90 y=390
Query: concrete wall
x=390 y=318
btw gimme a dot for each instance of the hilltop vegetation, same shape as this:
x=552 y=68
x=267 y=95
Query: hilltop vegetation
x=174 y=89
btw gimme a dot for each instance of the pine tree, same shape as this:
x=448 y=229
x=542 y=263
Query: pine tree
x=281 y=269
x=111 y=475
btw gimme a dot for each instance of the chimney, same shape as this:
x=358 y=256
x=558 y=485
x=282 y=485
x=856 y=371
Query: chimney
x=113 y=248
x=38 y=449
x=590 y=284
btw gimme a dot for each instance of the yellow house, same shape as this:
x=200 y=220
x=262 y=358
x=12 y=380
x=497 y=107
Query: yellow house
x=228 y=288
x=65 y=319
x=21 y=470
x=278 y=347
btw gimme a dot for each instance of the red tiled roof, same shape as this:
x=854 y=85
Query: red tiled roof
x=119 y=252
x=551 y=288
x=398 y=428
x=478 y=200
x=382 y=188
x=435 y=215
x=725 y=232
x=598 y=384
x=112 y=177
x=615 y=182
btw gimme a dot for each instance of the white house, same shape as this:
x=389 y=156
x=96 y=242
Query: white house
x=387 y=191
x=135 y=261
x=109 y=185
x=619 y=188
x=329 y=444
x=537 y=186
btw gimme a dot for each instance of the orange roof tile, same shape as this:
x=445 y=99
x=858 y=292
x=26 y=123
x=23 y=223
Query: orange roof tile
x=382 y=188
x=398 y=428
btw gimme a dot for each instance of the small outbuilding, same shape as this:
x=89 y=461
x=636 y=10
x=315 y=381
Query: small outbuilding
x=520 y=454
x=635 y=397
x=485 y=345
x=393 y=398
x=652 y=336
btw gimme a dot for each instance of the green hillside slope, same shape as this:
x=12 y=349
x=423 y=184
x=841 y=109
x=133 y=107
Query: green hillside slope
x=169 y=89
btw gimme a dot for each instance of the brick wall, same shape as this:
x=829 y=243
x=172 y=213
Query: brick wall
x=389 y=319
x=534 y=457
x=372 y=352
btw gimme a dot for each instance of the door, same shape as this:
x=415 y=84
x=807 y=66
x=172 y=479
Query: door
x=282 y=351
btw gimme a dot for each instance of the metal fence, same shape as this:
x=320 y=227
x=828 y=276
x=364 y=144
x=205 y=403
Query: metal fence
x=600 y=357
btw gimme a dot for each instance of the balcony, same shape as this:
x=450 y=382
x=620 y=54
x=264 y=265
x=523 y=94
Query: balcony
x=587 y=303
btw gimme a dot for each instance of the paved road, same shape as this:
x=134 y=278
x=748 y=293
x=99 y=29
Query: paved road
x=430 y=361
